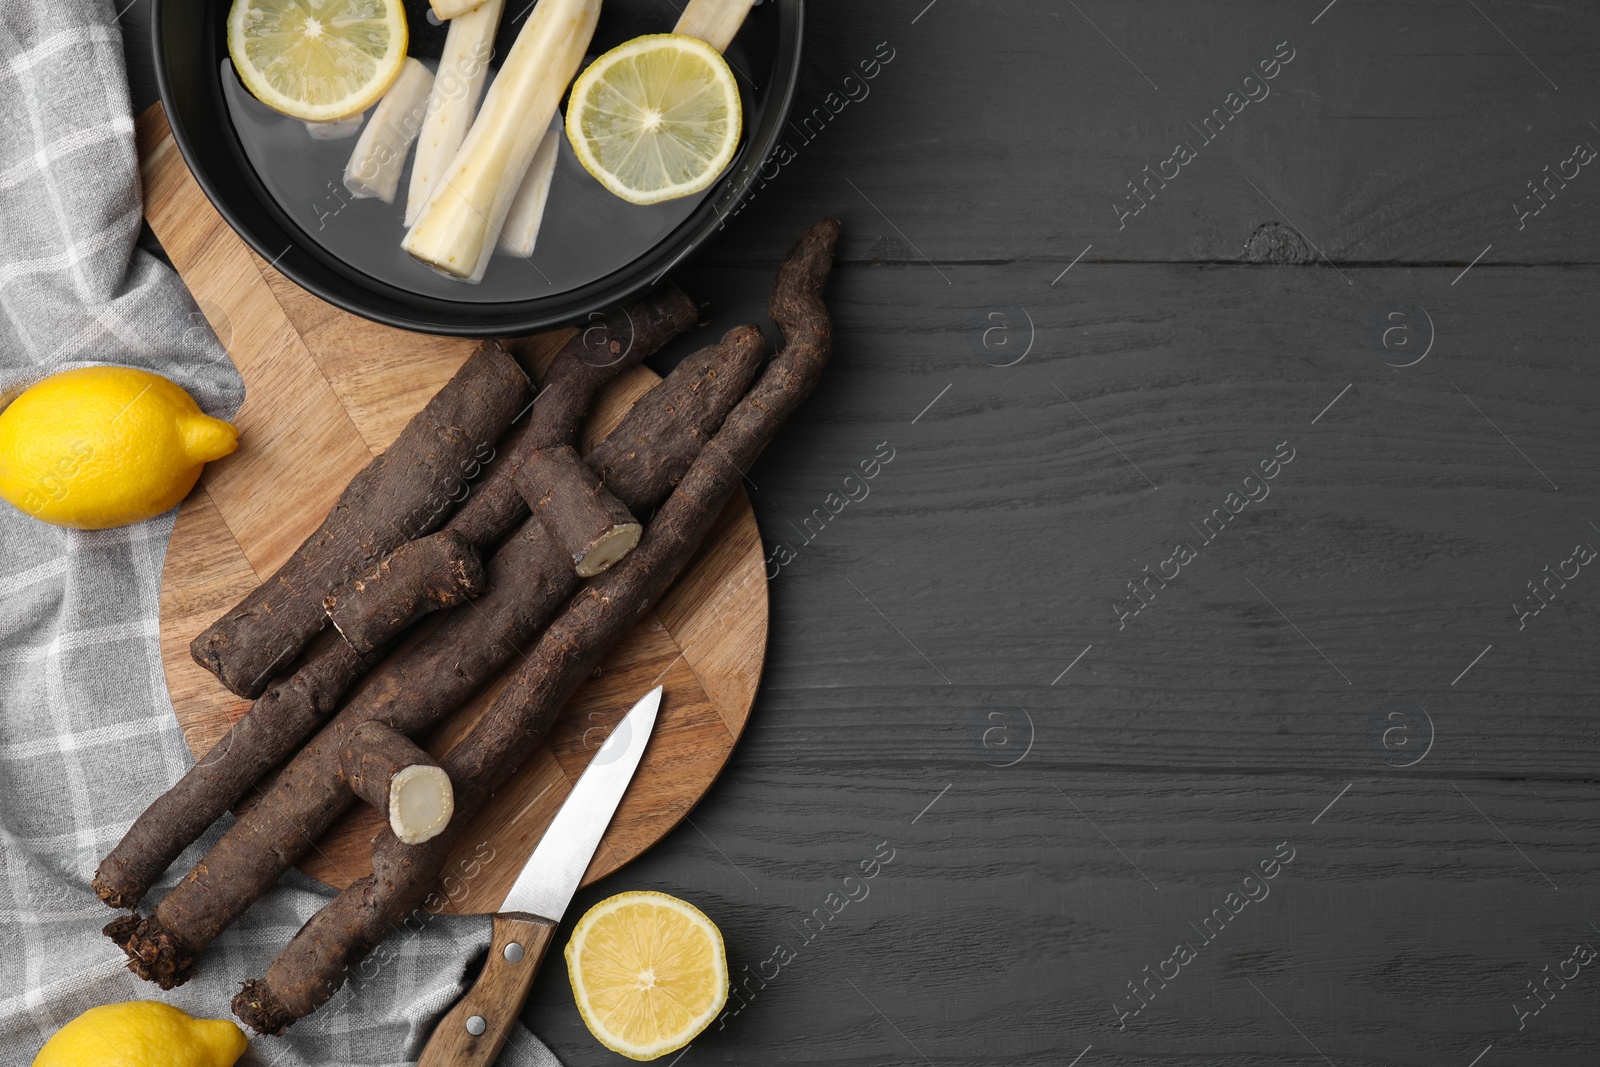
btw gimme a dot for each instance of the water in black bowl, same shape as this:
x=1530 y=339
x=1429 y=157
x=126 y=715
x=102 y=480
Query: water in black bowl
x=587 y=234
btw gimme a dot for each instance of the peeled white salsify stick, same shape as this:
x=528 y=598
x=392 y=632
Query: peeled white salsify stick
x=380 y=155
x=521 y=231
x=715 y=22
x=460 y=225
x=337 y=130
x=457 y=88
x=449 y=9
x=720 y=19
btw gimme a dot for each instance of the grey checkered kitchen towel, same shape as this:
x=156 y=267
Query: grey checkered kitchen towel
x=87 y=733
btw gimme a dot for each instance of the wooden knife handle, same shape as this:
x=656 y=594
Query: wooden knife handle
x=476 y=1029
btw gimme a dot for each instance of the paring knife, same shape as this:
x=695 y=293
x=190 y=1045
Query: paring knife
x=476 y=1029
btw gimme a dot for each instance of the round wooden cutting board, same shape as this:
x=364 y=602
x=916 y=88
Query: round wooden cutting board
x=325 y=391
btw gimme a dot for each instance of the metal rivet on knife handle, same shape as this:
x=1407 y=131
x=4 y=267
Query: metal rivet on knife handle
x=522 y=929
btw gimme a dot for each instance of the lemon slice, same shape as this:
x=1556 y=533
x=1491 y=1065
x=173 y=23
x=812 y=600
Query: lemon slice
x=648 y=972
x=318 y=60
x=656 y=118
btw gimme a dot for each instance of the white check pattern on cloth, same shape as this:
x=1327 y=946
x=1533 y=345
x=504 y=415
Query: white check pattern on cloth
x=87 y=732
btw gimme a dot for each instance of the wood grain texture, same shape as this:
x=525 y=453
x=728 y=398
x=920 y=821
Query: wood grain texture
x=1006 y=926
x=516 y=949
x=305 y=446
x=1396 y=541
x=355 y=384
x=1208 y=731
x=1401 y=132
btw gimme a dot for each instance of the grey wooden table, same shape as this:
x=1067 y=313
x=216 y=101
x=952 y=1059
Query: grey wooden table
x=1208 y=673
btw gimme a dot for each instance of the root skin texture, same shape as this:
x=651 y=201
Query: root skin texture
x=599 y=353
x=529 y=579
x=439 y=571
x=646 y=456
x=403 y=494
x=285 y=715
x=586 y=522
x=294 y=707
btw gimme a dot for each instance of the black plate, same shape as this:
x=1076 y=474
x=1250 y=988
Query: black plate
x=191 y=55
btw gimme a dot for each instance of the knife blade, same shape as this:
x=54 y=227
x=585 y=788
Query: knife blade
x=475 y=1030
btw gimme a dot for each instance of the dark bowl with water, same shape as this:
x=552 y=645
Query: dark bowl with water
x=281 y=189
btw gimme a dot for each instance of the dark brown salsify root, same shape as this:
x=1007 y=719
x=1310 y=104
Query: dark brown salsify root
x=385 y=768
x=260 y=1010
x=435 y=572
x=528 y=581
x=591 y=527
x=402 y=494
x=152 y=953
x=285 y=715
x=604 y=609
x=269 y=1006
x=597 y=355
x=293 y=708
x=646 y=456
x=313 y=966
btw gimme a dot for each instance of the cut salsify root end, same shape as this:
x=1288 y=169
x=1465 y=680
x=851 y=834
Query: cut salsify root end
x=421 y=801
x=590 y=525
x=608 y=548
x=385 y=768
x=449 y=9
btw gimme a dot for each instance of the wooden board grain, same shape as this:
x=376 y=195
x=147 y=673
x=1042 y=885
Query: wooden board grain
x=327 y=390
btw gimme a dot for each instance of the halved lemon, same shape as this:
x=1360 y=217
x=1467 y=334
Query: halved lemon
x=317 y=60
x=656 y=118
x=648 y=972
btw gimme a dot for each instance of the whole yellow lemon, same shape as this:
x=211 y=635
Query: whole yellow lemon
x=105 y=446
x=142 y=1033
